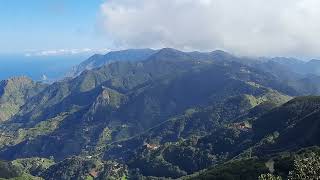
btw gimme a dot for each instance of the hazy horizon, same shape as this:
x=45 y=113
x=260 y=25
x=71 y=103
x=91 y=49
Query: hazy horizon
x=54 y=67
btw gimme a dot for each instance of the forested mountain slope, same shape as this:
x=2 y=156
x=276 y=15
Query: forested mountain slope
x=14 y=93
x=164 y=113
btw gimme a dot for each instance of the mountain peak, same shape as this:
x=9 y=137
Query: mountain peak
x=99 y=60
x=14 y=92
x=218 y=51
x=169 y=50
x=314 y=61
x=170 y=54
x=20 y=80
x=221 y=55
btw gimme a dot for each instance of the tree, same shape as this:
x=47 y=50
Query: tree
x=269 y=177
x=306 y=168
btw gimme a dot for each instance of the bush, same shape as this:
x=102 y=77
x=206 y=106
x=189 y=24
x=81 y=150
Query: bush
x=306 y=168
x=269 y=177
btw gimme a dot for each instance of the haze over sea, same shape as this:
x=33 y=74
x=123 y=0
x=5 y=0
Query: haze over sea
x=36 y=67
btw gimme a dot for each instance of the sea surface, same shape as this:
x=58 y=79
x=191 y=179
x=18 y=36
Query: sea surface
x=47 y=68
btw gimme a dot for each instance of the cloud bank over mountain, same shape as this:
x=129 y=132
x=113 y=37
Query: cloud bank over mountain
x=246 y=27
x=59 y=52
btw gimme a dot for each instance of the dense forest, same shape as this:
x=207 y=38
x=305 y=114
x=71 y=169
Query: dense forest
x=165 y=114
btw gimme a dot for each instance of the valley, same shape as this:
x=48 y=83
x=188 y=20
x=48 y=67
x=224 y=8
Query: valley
x=160 y=114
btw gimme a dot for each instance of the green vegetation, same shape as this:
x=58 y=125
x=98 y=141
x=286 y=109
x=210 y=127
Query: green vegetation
x=299 y=165
x=269 y=177
x=306 y=167
x=244 y=169
x=14 y=93
x=34 y=166
x=16 y=136
x=85 y=168
x=10 y=170
x=170 y=116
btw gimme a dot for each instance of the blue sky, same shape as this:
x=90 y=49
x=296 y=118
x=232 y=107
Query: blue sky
x=267 y=28
x=49 y=24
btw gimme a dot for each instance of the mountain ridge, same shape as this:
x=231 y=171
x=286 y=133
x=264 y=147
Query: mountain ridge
x=14 y=92
x=169 y=115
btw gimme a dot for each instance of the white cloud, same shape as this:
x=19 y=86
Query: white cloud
x=64 y=52
x=247 y=27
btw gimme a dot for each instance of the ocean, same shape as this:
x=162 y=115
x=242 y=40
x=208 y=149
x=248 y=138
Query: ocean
x=49 y=68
